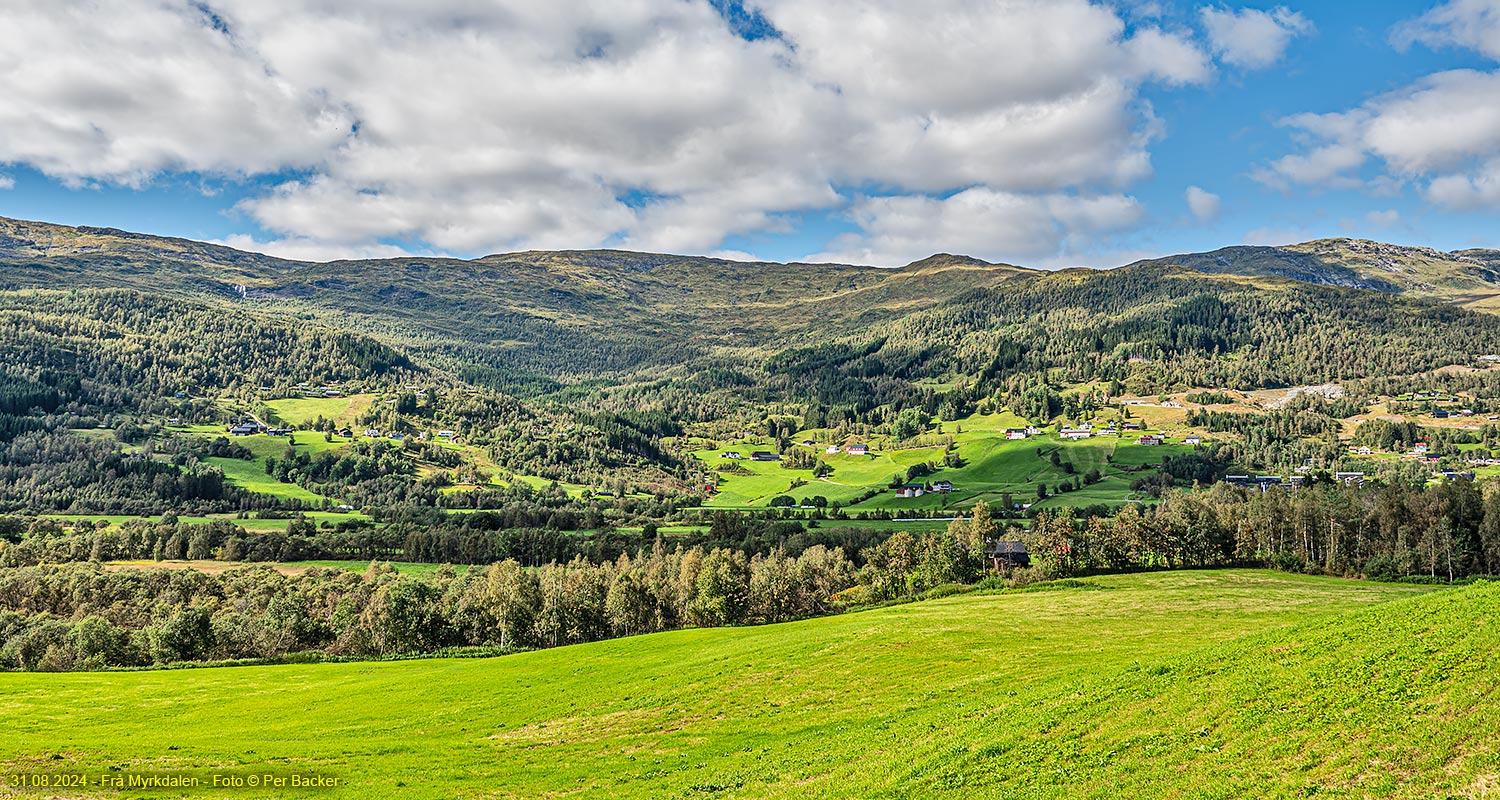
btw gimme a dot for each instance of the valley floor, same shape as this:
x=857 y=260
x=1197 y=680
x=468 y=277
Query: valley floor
x=1230 y=683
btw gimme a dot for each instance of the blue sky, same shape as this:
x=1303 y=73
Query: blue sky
x=1047 y=134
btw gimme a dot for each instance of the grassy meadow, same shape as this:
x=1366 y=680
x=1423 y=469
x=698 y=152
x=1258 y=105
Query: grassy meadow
x=250 y=475
x=992 y=467
x=303 y=411
x=1231 y=683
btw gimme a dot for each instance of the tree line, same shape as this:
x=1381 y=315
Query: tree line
x=80 y=616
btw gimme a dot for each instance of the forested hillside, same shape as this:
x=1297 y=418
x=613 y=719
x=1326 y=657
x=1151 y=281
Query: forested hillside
x=1470 y=277
x=169 y=400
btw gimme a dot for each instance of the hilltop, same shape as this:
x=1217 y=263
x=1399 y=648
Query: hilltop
x=1221 y=683
x=1467 y=277
x=563 y=314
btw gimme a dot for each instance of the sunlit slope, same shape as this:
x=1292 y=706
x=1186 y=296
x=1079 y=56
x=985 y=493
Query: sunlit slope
x=1467 y=277
x=1210 y=684
x=572 y=312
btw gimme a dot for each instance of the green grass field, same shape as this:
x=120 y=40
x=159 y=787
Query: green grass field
x=251 y=475
x=993 y=467
x=299 y=411
x=1220 y=684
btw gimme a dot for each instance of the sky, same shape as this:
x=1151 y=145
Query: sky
x=1045 y=133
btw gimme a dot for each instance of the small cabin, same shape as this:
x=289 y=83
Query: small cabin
x=1006 y=556
x=859 y=449
x=761 y=455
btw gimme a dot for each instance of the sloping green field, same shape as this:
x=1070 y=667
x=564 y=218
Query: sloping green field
x=993 y=467
x=1191 y=684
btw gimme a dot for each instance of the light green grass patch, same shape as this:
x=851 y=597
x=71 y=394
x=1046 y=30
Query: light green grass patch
x=1226 y=683
x=302 y=411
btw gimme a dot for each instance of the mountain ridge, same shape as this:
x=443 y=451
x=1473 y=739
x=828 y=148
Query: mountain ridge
x=1468 y=277
x=573 y=315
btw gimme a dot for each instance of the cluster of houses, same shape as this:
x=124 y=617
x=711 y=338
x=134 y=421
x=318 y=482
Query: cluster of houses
x=252 y=427
x=758 y=455
x=763 y=455
x=907 y=490
x=308 y=390
x=248 y=428
x=1265 y=483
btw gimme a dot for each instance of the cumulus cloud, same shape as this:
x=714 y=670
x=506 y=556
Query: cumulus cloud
x=1442 y=131
x=1440 y=134
x=1471 y=24
x=1202 y=203
x=1251 y=38
x=897 y=230
x=469 y=127
x=1383 y=219
x=7 y=182
x=121 y=91
x=1479 y=189
x=303 y=249
x=735 y=255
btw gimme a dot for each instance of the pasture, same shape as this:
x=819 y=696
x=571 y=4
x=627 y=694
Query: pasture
x=303 y=411
x=992 y=468
x=1230 y=683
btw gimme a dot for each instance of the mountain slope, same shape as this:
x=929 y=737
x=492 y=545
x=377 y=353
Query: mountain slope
x=1230 y=683
x=528 y=323
x=1469 y=277
x=564 y=314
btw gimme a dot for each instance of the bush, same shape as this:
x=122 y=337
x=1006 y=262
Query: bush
x=1382 y=567
x=1287 y=562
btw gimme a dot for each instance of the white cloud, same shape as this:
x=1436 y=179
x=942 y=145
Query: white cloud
x=1443 y=130
x=1471 y=24
x=469 y=127
x=120 y=91
x=299 y=249
x=900 y=229
x=735 y=255
x=1251 y=38
x=1479 y=189
x=1171 y=57
x=1388 y=218
x=1203 y=204
x=7 y=182
x=1440 y=134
